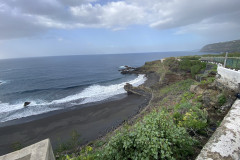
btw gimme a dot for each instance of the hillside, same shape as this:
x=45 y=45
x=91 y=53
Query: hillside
x=230 y=46
x=181 y=116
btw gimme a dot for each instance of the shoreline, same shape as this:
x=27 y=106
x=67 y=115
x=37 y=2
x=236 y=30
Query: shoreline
x=91 y=121
x=60 y=111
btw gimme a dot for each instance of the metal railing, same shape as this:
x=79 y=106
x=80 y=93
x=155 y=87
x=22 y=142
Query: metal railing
x=231 y=62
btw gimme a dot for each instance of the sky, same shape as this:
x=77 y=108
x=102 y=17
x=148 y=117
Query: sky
x=33 y=28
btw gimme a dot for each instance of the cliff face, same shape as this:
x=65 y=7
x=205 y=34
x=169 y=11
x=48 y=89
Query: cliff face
x=230 y=46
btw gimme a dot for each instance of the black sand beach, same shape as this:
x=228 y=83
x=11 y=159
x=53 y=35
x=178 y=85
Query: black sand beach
x=90 y=122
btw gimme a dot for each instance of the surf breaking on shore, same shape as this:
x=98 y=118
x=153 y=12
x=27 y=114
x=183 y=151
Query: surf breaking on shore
x=93 y=93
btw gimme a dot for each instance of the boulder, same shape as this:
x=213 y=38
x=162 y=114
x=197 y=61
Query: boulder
x=26 y=104
x=238 y=95
x=127 y=70
x=227 y=105
x=136 y=90
x=196 y=89
x=128 y=87
x=210 y=98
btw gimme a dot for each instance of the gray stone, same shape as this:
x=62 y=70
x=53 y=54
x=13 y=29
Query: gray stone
x=196 y=89
x=225 y=142
x=38 y=151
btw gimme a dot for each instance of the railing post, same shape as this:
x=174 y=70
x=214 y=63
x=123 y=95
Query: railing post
x=225 y=61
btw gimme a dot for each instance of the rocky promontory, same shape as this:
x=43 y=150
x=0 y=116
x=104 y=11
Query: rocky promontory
x=127 y=70
x=136 y=90
x=230 y=46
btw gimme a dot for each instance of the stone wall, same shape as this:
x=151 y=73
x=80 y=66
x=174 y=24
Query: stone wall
x=225 y=142
x=229 y=77
x=38 y=151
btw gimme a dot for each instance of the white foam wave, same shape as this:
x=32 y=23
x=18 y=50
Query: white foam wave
x=90 y=94
x=122 y=67
x=96 y=93
x=2 y=82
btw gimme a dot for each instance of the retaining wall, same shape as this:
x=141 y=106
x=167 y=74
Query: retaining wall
x=38 y=151
x=229 y=77
x=225 y=142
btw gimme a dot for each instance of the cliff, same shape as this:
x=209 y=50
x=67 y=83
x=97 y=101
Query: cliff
x=230 y=46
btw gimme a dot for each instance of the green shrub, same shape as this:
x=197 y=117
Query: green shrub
x=193 y=66
x=186 y=97
x=221 y=99
x=185 y=65
x=190 y=58
x=195 y=69
x=71 y=144
x=156 y=137
x=190 y=116
x=194 y=120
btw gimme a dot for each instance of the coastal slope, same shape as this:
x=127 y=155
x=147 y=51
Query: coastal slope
x=230 y=46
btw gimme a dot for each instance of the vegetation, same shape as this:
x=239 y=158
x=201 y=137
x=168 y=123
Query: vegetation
x=154 y=66
x=234 y=54
x=156 y=137
x=16 y=146
x=193 y=66
x=231 y=46
x=72 y=144
x=190 y=58
x=222 y=99
x=161 y=134
x=174 y=125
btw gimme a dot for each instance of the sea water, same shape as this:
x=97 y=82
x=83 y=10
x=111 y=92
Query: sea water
x=55 y=83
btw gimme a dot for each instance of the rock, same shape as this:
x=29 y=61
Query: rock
x=196 y=89
x=227 y=105
x=136 y=90
x=26 y=104
x=128 y=87
x=192 y=88
x=209 y=98
x=127 y=70
x=213 y=73
x=238 y=95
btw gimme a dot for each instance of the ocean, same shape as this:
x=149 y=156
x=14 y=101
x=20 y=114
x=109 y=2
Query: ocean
x=55 y=83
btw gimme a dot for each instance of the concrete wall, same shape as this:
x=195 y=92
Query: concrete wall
x=38 y=151
x=225 y=142
x=229 y=77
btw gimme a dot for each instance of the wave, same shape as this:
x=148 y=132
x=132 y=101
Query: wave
x=58 y=88
x=2 y=82
x=122 y=67
x=93 y=93
x=96 y=93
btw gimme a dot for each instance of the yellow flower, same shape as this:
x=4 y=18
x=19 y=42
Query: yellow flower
x=89 y=148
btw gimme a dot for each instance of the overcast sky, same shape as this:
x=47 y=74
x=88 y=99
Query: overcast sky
x=68 y=27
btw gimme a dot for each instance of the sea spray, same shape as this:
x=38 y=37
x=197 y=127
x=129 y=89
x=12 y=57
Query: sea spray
x=93 y=93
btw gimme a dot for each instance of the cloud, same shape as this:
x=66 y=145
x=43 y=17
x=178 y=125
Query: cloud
x=24 y=18
x=186 y=12
x=14 y=25
x=112 y=15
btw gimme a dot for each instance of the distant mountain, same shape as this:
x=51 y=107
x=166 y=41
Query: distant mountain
x=230 y=46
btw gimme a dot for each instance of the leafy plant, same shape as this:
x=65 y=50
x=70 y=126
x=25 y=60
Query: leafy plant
x=71 y=144
x=221 y=99
x=194 y=120
x=195 y=69
x=156 y=137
